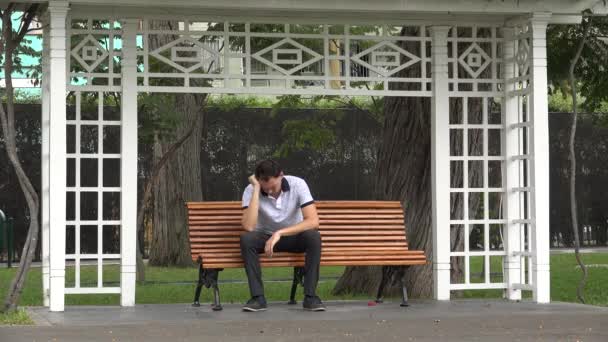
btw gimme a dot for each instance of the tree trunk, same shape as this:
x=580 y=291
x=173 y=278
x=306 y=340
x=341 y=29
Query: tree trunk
x=147 y=194
x=8 y=44
x=180 y=180
x=573 y=205
x=403 y=173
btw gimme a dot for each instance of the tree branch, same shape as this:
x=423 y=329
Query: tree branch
x=26 y=21
x=573 y=204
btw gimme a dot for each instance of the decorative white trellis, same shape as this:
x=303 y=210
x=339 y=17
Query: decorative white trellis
x=476 y=119
x=487 y=83
x=93 y=151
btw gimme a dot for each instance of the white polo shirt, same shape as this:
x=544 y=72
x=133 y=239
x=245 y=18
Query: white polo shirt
x=284 y=211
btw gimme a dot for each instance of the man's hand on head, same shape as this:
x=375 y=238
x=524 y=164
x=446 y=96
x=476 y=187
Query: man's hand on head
x=254 y=181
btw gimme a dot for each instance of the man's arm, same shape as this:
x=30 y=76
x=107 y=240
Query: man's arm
x=250 y=214
x=311 y=221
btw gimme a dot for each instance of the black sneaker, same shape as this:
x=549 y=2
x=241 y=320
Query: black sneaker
x=313 y=303
x=255 y=304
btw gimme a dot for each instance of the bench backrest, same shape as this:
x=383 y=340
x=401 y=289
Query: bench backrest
x=352 y=232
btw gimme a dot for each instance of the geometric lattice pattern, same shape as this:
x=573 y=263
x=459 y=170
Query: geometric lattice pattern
x=477 y=191
x=94 y=54
x=523 y=157
x=475 y=60
x=243 y=57
x=270 y=58
x=93 y=193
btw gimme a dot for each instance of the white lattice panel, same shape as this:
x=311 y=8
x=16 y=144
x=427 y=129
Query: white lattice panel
x=477 y=191
x=94 y=54
x=93 y=189
x=522 y=157
x=269 y=58
x=475 y=60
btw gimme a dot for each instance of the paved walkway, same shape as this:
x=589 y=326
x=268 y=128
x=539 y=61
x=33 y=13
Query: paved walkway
x=459 y=320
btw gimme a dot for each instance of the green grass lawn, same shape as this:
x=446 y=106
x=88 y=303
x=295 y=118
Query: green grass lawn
x=176 y=285
x=565 y=276
x=18 y=317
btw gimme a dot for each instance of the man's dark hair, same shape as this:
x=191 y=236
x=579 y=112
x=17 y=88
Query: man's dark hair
x=267 y=169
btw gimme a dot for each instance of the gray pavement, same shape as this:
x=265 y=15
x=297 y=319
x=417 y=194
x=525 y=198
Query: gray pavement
x=458 y=320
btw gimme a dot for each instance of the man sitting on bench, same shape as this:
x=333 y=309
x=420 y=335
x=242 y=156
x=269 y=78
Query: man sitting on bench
x=279 y=216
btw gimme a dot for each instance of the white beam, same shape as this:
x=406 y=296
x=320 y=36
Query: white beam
x=539 y=145
x=57 y=151
x=435 y=6
x=45 y=167
x=128 y=167
x=440 y=162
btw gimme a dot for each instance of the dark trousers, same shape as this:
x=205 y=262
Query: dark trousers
x=309 y=242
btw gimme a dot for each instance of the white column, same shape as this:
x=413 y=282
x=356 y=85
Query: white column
x=440 y=163
x=512 y=264
x=539 y=147
x=45 y=154
x=58 y=11
x=128 y=170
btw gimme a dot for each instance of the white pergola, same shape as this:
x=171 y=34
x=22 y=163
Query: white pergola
x=465 y=53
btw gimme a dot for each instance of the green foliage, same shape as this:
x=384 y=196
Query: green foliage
x=29 y=95
x=560 y=102
x=20 y=45
x=229 y=103
x=161 y=118
x=364 y=103
x=307 y=134
x=26 y=51
x=591 y=71
x=318 y=132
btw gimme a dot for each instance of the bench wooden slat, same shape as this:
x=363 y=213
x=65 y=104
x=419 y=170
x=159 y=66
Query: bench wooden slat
x=379 y=239
x=296 y=259
x=300 y=258
x=334 y=233
x=203 y=227
x=325 y=217
x=365 y=238
x=343 y=249
x=333 y=252
x=357 y=218
x=402 y=262
x=336 y=245
x=320 y=204
x=358 y=204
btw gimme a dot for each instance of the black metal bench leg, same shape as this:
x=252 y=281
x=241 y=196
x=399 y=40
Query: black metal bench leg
x=383 y=281
x=404 y=301
x=217 y=305
x=294 y=287
x=199 y=286
x=298 y=278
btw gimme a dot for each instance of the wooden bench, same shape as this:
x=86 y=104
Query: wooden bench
x=353 y=233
